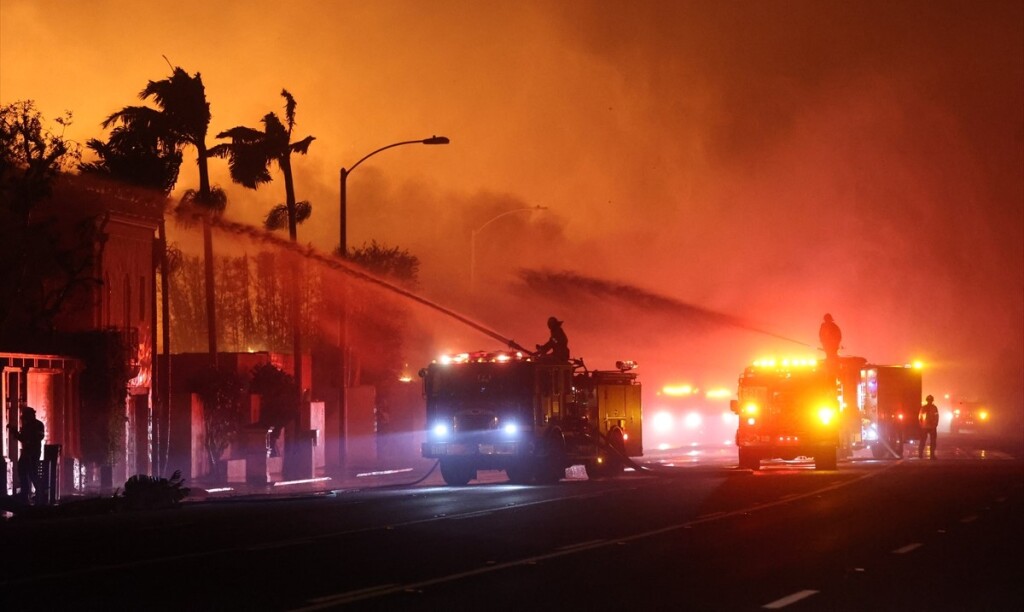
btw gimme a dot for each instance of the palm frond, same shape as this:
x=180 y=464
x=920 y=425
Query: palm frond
x=248 y=164
x=289 y=109
x=303 y=210
x=241 y=133
x=277 y=218
x=192 y=201
x=302 y=146
x=275 y=135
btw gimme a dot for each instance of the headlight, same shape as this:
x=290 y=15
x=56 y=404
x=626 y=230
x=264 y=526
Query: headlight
x=826 y=415
x=440 y=430
x=510 y=429
x=692 y=420
x=662 y=421
x=750 y=409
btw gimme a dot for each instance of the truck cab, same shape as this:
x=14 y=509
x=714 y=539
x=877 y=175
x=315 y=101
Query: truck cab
x=789 y=409
x=532 y=418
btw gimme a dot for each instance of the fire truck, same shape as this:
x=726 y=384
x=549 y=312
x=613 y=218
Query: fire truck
x=825 y=410
x=889 y=398
x=529 y=416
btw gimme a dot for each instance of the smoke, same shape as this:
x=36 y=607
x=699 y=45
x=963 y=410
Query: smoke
x=774 y=161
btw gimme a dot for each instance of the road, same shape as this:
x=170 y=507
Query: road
x=698 y=534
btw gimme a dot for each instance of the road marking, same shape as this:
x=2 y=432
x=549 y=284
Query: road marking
x=579 y=545
x=789 y=599
x=969 y=519
x=345 y=598
x=905 y=549
x=470 y=515
x=331 y=599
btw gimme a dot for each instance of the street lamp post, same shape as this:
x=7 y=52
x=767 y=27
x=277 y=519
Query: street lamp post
x=343 y=224
x=343 y=252
x=472 y=239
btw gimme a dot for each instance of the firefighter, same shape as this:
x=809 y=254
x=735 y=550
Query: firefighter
x=928 y=418
x=830 y=337
x=557 y=345
x=31 y=437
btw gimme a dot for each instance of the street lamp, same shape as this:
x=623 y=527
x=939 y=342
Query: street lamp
x=343 y=226
x=343 y=252
x=473 y=233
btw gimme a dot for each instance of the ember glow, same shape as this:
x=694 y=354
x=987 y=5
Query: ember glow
x=767 y=162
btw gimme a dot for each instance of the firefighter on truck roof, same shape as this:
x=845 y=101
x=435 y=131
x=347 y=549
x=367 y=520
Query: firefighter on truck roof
x=830 y=337
x=557 y=345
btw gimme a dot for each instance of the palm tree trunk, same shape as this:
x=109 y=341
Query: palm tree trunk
x=164 y=373
x=211 y=306
x=296 y=310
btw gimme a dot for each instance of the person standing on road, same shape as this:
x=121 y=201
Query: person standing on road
x=31 y=437
x=928 y=418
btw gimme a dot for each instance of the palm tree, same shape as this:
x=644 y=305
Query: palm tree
x=135 y=155
x=181 y=119
x=250 y=154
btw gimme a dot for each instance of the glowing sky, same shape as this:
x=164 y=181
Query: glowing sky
x=772 y=160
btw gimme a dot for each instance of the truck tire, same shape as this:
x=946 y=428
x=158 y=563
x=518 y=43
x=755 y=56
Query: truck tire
x=825 y=458
x=551 y=465
x=749 y=459
x=610 y=460
x=457 y=473
x=520 y=472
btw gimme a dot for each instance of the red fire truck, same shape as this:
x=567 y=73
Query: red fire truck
x=808 y=408
x=531 y=417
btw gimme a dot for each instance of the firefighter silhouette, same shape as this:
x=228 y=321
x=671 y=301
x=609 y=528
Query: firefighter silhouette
x=830 y=337
x=928 y=418
x=31 y=437
x=557 y=345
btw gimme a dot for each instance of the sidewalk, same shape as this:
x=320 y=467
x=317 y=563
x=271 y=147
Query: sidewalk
x=352 y=479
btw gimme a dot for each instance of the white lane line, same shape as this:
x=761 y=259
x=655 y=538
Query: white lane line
x=367 y=591
x=905 y=549
x=579 y=545
x=345 y=598
x=969 y=519
x=788 y=599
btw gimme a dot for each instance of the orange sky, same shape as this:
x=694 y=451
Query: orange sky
x=772 y=160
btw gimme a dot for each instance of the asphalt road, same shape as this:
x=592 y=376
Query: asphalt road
x=694 y=534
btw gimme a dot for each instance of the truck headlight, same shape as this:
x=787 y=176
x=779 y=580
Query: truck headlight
x=440 y=430
x=510 y=429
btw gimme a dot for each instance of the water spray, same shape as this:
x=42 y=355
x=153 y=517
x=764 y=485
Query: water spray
x=555 y=284
x=340 y=265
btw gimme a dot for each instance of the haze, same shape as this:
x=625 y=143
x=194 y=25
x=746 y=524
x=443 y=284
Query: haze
x=771 y=161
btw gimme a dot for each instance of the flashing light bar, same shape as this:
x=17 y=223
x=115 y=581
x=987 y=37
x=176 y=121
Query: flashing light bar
x=718 y=394
x=678 y=390
x=773 y=363
x=481 y=357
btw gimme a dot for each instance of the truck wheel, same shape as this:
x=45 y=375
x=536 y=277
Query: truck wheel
x=457 y=473
x=551 y=466
x=749 y=459
x=520 y=472
x=825 y=459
